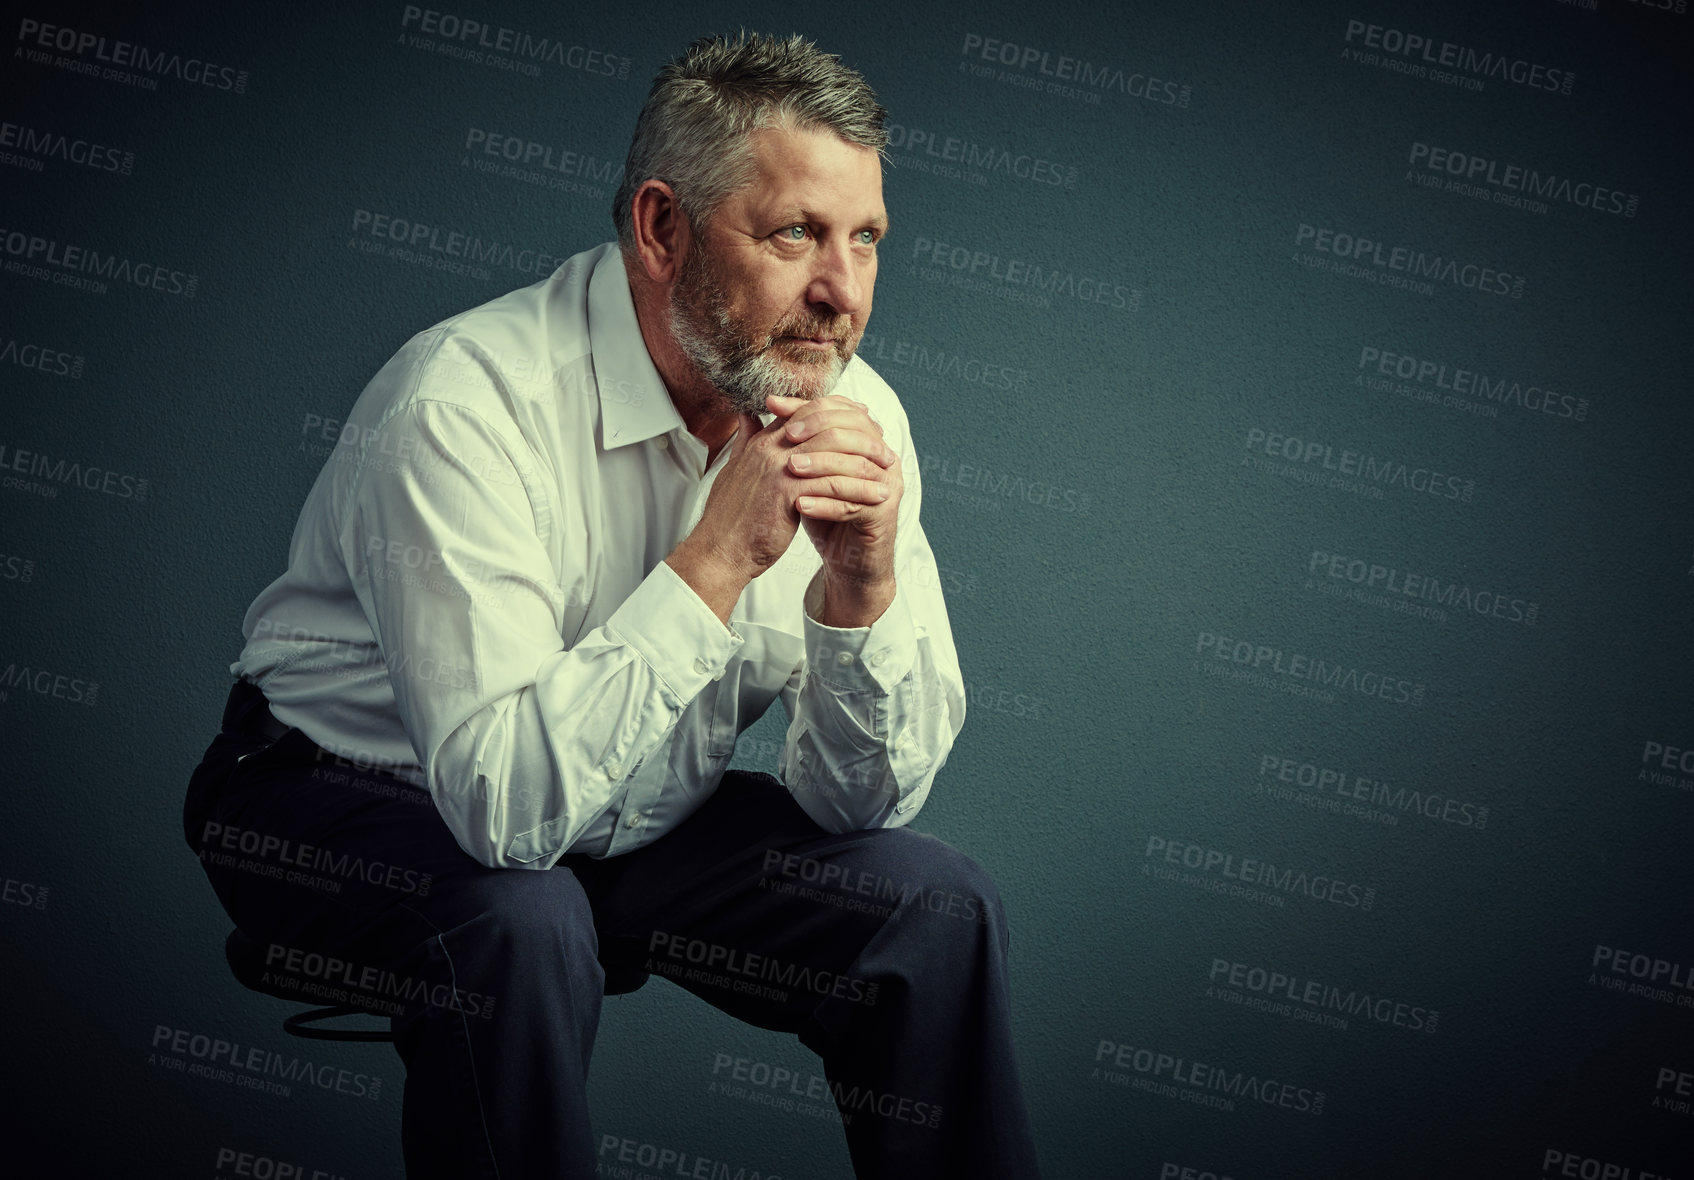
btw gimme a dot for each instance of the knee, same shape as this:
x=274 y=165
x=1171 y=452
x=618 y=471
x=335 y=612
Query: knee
x=940 y=880
x=531 y=913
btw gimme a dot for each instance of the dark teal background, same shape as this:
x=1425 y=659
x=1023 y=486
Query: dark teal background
x=1093 y=727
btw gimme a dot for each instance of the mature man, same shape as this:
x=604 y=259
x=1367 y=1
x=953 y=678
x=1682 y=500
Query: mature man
x=477 y=746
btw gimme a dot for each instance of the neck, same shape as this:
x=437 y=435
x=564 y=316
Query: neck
x=704 y=411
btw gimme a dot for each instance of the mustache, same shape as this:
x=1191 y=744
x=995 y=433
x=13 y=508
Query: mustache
x=814 y=327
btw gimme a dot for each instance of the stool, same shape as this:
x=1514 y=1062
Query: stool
x=246 y=960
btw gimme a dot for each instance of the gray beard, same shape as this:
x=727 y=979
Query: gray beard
x=741 y=370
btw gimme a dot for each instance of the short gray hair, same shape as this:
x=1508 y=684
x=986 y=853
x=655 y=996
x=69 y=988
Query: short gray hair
x=693 y=133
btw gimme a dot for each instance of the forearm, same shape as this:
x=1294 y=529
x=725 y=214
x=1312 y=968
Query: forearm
x=519 y=778
x=874 y=718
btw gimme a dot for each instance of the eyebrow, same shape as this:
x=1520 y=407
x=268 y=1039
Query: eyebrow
x=794 y=214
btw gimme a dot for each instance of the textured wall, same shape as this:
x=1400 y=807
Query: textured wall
x=1300 y=395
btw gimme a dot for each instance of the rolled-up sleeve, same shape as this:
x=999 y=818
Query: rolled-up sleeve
x=523 y=740
x=874 y=710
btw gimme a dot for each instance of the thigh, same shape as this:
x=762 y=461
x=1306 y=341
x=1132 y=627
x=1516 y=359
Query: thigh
x=760 y=912
x=311 y=856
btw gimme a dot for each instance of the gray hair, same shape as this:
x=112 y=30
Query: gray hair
x=693 y=133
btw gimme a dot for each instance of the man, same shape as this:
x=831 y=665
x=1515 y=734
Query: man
x=477 y=748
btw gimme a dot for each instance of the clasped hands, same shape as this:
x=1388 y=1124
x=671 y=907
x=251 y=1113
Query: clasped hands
x=822 y=462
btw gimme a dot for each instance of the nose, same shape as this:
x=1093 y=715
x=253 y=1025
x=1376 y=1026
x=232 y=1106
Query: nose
x=842 y=279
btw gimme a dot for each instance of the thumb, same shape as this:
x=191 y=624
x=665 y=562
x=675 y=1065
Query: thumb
x=782 y=406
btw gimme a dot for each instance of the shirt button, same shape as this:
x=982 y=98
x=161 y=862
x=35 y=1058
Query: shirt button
x=844 y=658
x=614 y=770
x=633 y=820
x=664 y=443
x=878 y=658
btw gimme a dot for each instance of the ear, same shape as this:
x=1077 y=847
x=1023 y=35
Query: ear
x=661 y=230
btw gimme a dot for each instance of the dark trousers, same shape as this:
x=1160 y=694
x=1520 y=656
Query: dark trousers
x=883 y=951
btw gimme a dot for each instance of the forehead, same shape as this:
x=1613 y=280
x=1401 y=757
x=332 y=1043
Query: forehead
x=813 y=172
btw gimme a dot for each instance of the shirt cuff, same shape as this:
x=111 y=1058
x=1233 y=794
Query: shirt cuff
x=675 y=632
x=864 y=659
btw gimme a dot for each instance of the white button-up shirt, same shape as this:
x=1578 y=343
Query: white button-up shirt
x=476 y=599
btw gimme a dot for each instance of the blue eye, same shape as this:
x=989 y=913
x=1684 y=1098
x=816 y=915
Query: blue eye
x=867 y=237
x=796 y=233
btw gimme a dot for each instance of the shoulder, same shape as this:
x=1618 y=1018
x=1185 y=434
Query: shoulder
x=508 y=357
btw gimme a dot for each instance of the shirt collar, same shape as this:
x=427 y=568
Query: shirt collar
x=634 y=403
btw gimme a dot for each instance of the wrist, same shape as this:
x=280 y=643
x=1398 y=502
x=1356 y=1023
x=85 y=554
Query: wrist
x=713 y=575
x=849 y=602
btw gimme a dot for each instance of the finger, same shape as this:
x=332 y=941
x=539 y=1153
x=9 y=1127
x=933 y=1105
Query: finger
x=845 y=488
x=805 y=462
x=820 y=416
x=847 y=441
x=781 y=406
x=827 y=508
